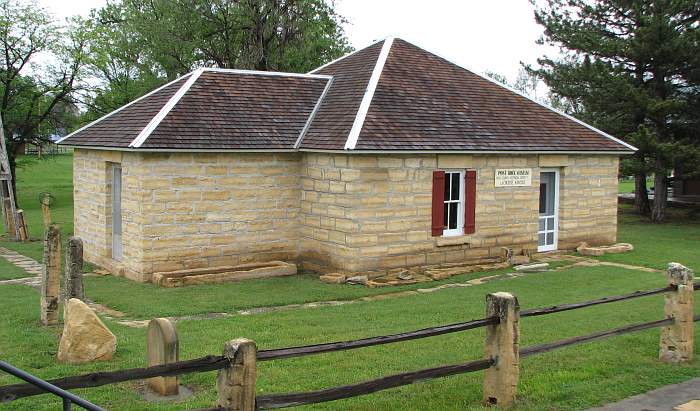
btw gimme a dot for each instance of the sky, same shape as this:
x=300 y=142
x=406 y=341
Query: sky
x=493 y=35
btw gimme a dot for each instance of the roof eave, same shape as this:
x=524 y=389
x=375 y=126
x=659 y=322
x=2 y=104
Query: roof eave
x=361 y=151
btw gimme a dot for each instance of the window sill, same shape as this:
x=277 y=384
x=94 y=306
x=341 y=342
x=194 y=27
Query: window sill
x=452 y=240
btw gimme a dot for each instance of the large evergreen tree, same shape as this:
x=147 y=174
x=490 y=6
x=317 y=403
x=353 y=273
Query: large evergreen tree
x=631 y=68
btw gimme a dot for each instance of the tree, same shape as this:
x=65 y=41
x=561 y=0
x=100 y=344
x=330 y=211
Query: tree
x=34 y=97
x=139 y=44
x=631 y=68
x=525 y=83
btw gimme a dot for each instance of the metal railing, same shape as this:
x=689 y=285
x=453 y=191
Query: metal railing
x=68 y=398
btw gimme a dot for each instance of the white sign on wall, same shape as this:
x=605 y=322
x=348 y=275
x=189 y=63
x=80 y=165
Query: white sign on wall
x=513 y=177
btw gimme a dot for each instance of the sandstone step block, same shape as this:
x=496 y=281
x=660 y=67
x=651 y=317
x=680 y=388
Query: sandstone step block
x=223 y=274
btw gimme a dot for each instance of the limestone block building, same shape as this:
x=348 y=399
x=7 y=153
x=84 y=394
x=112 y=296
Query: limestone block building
x=388 y=157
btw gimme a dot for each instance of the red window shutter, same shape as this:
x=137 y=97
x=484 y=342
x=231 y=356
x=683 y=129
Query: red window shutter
x=438 y=202
x=470 y=202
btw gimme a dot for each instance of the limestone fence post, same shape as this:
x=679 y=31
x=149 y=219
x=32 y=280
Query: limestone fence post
x=45 y=209
x=676 y=344
x=50 y=279
x=22 y=226
x=502 y=345
x=235 y=384
x=163 y=348
x=73 y=276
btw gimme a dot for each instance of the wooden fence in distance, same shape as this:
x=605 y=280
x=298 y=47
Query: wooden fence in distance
x=237 y=366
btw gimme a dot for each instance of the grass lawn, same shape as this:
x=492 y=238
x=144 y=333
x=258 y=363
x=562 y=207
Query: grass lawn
x=676 y=240
x=573 y=378
x=52 y=174
x=627 y=185
x=9 y=271
x=148 y=300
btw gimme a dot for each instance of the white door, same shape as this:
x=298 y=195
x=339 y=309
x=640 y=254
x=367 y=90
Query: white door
x=116 y=212
x=547 y=232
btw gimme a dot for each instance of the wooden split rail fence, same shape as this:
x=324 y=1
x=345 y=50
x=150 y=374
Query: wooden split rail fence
x=237 y=366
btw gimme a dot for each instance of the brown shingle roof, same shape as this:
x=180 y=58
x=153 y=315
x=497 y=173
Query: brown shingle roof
x=332 y=123
x=423 y=102
x=222 y=110
x=397 y=96
x=120 y=127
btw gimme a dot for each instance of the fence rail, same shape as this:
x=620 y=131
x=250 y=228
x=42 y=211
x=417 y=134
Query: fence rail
x=203 y=364
x=295 y=399
x=67 y=398
x=605 y=300
x=272 y=401
x=266 y=355
x=226 y=361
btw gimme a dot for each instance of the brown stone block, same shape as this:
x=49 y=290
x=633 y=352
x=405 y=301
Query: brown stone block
x=362 y=161
x=354 y=240
x=373 y=227
x=346 y=225
x=373 y=251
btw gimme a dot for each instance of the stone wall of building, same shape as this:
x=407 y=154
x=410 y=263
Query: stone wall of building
x=373 y=212
x=189 y=210
x=588 y=200
x=330 y=211
x=92 y=197
x=367 y=212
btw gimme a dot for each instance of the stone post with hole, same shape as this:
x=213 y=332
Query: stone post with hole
x=73 y=276
x=50 y=279
x=502 y=345
x=676 y=344
x=235 y=384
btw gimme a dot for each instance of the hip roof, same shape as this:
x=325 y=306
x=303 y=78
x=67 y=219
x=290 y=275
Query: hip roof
x=389 y=97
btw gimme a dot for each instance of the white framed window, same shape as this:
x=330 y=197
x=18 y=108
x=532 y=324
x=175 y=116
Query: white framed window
x=453 y=211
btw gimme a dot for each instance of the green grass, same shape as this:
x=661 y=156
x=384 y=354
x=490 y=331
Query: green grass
x=148 y=301
x=9 y=271
x=627 y=186
x=655 y=245
x=52 y=174
x=569 y=379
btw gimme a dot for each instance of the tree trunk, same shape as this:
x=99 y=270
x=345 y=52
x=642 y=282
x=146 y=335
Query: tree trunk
x=12 y=159
x=641 y=198
x=658 y=210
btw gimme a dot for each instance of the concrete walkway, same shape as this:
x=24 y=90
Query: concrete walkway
x=674 y=397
